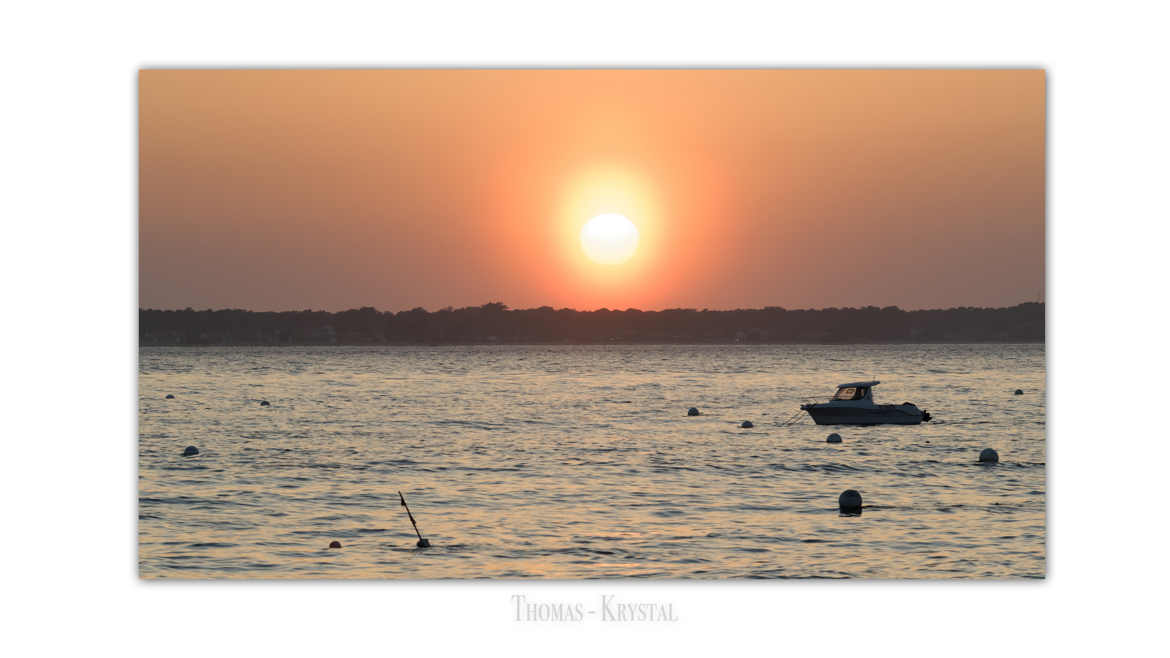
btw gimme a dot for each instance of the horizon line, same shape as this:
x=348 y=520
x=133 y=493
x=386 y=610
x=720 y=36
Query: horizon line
x=505 y=307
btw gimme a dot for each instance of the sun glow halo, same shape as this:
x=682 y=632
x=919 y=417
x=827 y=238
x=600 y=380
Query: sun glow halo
x=609 y=239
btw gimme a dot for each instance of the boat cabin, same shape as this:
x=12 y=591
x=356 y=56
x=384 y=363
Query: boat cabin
x=855 y=391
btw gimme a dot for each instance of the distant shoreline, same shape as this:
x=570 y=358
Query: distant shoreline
x=605 y=344
x=495 y=324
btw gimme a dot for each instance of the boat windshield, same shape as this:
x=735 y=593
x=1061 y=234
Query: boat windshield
x=850 y=393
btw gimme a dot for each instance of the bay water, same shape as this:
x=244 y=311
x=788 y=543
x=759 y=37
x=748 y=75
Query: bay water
x=570 y=462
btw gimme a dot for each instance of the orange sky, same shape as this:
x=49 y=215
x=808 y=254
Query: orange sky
x=286 y=189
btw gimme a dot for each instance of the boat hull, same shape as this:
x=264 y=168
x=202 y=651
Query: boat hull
x=876 y=415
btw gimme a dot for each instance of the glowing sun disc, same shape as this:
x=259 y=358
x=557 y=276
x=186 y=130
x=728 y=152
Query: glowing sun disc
x=609 y=239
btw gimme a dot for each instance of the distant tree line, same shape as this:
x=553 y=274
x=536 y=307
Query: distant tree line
x=496 y=323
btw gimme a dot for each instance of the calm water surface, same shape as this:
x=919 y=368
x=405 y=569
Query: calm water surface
x=580 y=462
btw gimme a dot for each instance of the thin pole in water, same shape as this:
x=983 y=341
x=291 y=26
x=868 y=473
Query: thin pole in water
x=422 y=543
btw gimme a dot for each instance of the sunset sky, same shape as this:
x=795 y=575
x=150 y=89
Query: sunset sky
x=331 y=189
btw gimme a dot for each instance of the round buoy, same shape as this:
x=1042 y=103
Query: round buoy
x=747 y=425
x=693 y=411
x=334 y=544
x=850 y=501
x=423 y=543
x=190 y=450
x=170 y=397
x=1019 y=392
x=264 y=403
x=989 y=456
x=833 y=438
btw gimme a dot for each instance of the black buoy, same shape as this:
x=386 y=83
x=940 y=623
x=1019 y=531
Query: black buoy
x=190 y=450
x=747 y=425
x=833 y=438
x=1019 y=391
x=693 y=411
x=264 y=403
x=335 y=544
x=170 y=397
x=989 y=456
x=850 y=501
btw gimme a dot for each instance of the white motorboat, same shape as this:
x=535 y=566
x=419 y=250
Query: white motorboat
x=853 y=405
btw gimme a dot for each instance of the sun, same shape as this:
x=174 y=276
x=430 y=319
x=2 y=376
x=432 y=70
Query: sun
x=609 y=239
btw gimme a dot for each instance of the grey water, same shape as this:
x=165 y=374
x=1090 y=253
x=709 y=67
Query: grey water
x=570 y=462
